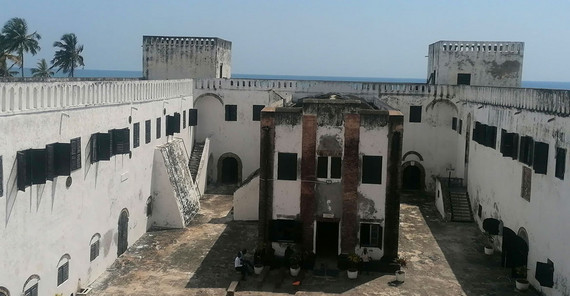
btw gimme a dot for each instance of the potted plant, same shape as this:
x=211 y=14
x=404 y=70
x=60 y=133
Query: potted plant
x=489 y=244
x=521 y=282
x=353 y=262
x=294 y=264
x=401 y=274
x=258 y=258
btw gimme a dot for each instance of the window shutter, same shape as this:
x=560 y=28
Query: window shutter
x=101 y=145
x=371 y=169
x=1 y=178
x=540 y=158
x=120 y=139
x=158 y=128
x=515 y=153
x=257 y=112
x=322 y=167
x=136 y=134
x=184 y=119
x=454 y=123
x=62 y=159
x=50 y=162
x=75 y=159
x=147 y=128
x=176 y=123
x=560 y=163
x=193 y=117
x=336 y=167
x=38 y=166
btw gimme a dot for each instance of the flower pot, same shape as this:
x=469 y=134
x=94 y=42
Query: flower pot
x=488 y=250
x=521 y=284
x=400 y=275
x=257 y=269
x=294 y=270
x=352 y=273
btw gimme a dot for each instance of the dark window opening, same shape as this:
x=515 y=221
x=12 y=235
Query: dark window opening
x=136 y=135
x=193 y=117
x=100 y=147
x=32 y=291
x=454 y=123
x=94 y=250
x=147 y=131
x=231 y=112
x=540 y=162
x=490 y=136
x=371 y=169
x=286 y=231
x=322 y=167
x=460 y=128
x=1 y=178
x=58 y=160
x=287 y=166
x=158 y=128
x=63 y=273
x=526 y=150
x=257 y=112
x=544 y=273
x=172 y=124
x=184 y=119
x=336 y=167
x=75 y=162
x=120 y=141
x=370 y=235
x=509 y=144
x=560 y=163
x=149 y=207
x=415 y=113
x=463 y=79
x=480 y=211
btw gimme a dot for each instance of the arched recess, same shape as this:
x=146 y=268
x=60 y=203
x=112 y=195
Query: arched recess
x=4 y=292
x=211 y=117
x=202 y=96
x=412 y=153
x=123 y=232
x=31 y=285
x=413 y=176
x=229 y=168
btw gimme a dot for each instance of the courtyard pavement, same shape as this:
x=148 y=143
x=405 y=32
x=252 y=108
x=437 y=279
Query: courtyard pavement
x=442 y=259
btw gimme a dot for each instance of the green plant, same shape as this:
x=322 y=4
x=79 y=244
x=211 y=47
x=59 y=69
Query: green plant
x=401 y=261
x=353 y=260
x=521 y=272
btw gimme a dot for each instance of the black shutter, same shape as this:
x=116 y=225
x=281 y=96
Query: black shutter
x=415 y=113
x=560 y=163
x=75 y=153
x=287 y=166
x=257 y=112
x=336 y=167
x=120 y=139
x=50 y=162
x=100 y=147
x=477 y=132
x=322 y=167
x=136 y=134
x=515 y=146
x=158 y=128
x=62 y=159
x=169 y=125
x=491 y=136
x=176 y=122
x=184 y=119
x=454 y=123
x=371 y=169
x=193 y=117
x=94 y=154
x=460 y=127
x=540 y=158
x=147 y=128
x=231 y=112
x=1 y=178
x=23 y=179
x=38 y=166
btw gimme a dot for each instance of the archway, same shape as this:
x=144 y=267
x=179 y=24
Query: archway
x=123 y=233
x=4 y=292
x=413 y=176
x=229 y=169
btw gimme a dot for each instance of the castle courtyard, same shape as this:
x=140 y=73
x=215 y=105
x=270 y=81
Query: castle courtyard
x=442 y=259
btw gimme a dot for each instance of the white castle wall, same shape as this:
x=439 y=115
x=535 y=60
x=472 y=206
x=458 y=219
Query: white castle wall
x=47 y=221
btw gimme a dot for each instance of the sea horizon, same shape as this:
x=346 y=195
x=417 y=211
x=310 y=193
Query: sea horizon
x=95 y=73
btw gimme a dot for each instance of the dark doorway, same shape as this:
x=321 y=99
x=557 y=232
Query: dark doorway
x=123 y=241
x=327 y=239
x=412 y=178
x=463 y=79
x=515 y=250
x=229 y=170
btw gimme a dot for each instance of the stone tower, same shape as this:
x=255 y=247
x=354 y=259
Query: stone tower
x=482 y=63
x=167 y=57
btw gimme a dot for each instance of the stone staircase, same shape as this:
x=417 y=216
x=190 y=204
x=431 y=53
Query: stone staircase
x=460 y=206
x=194 y=163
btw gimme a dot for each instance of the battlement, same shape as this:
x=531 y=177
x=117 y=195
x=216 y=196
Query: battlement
x=480 y=46
x=186 y=41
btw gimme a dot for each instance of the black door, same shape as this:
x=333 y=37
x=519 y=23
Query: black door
x=123 y=242
x=327 y=238
x=229 y=170
x=411 y=179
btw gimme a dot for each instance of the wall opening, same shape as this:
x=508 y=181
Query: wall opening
x=229 y=169
x=412 y=177
x=123 y=232
x=327 y=239
x=463 y=79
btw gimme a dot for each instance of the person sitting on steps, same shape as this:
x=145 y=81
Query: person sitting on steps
x=241 y=267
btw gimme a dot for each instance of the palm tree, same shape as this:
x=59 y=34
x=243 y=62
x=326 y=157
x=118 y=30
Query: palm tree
x=5 y=56
x=42 y=70
x=69 y=56
x=17 y=38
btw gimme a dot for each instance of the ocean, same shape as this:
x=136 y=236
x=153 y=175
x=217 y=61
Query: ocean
x=86 y=73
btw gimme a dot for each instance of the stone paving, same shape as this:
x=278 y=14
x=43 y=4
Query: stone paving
x=443 y=259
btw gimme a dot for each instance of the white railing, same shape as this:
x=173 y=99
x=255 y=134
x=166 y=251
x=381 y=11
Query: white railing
x=22 y=97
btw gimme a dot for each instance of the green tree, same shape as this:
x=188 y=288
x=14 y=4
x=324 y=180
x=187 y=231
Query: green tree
x=18 y=40
x=5 y=57
x=68 y=57
x=42 y=70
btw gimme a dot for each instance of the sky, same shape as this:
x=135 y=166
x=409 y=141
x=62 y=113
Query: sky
x=353 y=38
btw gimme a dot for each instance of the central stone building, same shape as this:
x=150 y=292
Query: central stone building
x=329 y=170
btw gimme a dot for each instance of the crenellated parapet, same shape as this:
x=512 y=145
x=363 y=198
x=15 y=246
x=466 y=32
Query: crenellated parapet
x=195 y=42
x=498 y=47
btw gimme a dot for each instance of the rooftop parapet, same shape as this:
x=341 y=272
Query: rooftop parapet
x=481 y=46
x=186 y=41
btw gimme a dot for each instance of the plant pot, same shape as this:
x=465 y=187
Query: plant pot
x=400 y=275
x=521 y=284
x=489 y=250
x=352 y=273
x=294 y=270
x=257 y=269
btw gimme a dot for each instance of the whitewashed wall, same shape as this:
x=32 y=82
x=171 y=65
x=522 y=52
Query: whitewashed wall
x=246 y=201
x=439 y=199
x=47 y=221
x=287 y=193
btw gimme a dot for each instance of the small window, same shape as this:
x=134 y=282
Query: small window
x=526 y=150
x=31 y=167
x=560 y=163
x=94 y=247
x=322 y=167
x=336 y=167
x=136 y=135
x=58 y=160
x=193 y=117
x=100 y=147
x=371 y=169
x=147 y=131
x=172 y=124
x=120 y=141
x=75 y=162
x=257 y=112
x=415 y=113
x=490 y=136
x=184 y=119
x=460 y=128
x=287 y=166
x=158 y=128
x=370 y=235
x=231 y=112
x=32 y=291
x=463 y=79
x=540 y=162
x=62 y=273
x=509 y=144
x=454 y=123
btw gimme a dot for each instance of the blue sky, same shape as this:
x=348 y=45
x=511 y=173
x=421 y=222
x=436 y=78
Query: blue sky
x=303 y=37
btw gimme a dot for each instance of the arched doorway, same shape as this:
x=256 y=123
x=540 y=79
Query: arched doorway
x=229 y=169
x=123 y=236
x=413 y=176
